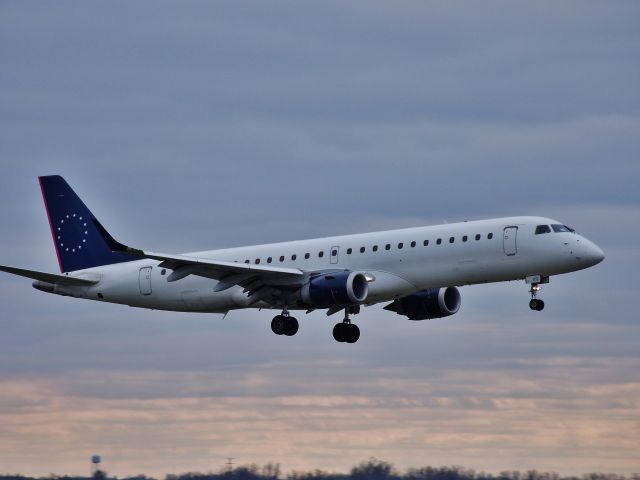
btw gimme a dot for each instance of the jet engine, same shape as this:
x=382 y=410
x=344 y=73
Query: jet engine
x=336 y=289
x=428 y=304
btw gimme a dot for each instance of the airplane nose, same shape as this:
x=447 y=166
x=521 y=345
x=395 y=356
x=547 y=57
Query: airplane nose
x=593 y=253
x=596 y=253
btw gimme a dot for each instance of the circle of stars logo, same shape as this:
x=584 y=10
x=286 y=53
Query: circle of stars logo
x=70 y=223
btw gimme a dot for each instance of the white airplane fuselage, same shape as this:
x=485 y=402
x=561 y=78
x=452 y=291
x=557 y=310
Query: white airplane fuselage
x=396 y=263
x=414 y=270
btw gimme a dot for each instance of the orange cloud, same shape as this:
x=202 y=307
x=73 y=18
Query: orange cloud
x=484 y=419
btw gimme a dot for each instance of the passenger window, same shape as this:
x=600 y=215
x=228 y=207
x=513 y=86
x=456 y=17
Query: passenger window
x=257 y=261
x=349 y=250
x=452 y=239
x=387 y=246
x=413 y=244
x=400 y=245
x=307 y=255
x=439 y=241
x=478 y=236
x=334 y=253
x=247 y=261
x=426 y=243
x=490 y=236
x=361 y=249
x=320 y=254
x=375 y=248
x=540 y=229
x=465 y=238
x=269 y=260
x=294 y=256
x=282 y=258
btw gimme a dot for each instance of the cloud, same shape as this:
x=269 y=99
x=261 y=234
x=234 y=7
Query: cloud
x=541 y=417
x=191 y=126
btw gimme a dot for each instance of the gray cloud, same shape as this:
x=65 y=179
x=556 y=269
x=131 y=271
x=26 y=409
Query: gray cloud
x=190 y=126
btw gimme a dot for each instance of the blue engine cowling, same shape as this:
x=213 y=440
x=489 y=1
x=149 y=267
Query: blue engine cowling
x=428 y=304
x=336 y=289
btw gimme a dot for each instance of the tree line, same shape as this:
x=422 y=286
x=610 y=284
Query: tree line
x=369 y=470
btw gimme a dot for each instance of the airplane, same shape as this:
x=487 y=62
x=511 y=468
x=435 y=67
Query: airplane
x=416 y=270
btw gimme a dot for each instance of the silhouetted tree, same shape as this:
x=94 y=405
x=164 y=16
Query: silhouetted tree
x=317 y=475
x=374 y=469
x=271 y=470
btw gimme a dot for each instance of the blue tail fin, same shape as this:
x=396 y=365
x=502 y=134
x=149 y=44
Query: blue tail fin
x=79 y=244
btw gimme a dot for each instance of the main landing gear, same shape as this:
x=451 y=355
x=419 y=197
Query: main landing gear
x=284 y=324
x=346 y=331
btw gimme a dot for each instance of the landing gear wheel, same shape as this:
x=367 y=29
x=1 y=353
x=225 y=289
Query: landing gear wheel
x=346 y=332
x=291 y=327
x=339 y=332
x=279 y=324
x=536 y=304
x=353 y=333
x=284 y=325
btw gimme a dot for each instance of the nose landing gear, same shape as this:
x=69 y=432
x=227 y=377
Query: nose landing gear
x=284 y=324
x=535 y=303
x=535 y=281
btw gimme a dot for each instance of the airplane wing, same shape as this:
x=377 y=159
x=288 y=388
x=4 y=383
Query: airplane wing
x=262 y=283
x=215 y=268
x=48 y=277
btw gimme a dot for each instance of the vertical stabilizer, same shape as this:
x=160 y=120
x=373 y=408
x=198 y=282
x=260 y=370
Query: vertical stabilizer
x=76 y=238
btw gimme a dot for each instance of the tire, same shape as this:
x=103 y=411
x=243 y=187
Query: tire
x=353 y=333
x=533 y=304
x=339 y=332
x=291 y=326
x=279 y=324
x=540 y=306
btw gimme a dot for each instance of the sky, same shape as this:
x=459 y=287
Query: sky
x=196 y=125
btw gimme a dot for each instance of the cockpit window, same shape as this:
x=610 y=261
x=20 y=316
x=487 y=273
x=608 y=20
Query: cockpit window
x=542 y=229
x=561 y=228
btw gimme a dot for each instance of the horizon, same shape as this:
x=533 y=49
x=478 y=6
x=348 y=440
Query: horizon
x=370 y=469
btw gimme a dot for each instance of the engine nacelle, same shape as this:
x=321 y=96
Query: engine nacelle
x=336 y=289
x=428 y=304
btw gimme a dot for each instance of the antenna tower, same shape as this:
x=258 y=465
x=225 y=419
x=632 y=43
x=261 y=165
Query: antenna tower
x=95 y=464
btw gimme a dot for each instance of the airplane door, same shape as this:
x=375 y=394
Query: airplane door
x=335 y=253
x=509 y=240
x=145 y=281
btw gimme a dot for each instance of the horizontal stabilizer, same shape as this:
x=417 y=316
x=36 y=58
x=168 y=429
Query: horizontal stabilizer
x=48 y=277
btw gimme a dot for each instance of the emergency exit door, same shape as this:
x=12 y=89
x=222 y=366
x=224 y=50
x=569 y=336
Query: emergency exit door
x=145 y=281
x=335 y=252
x=510 y=241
